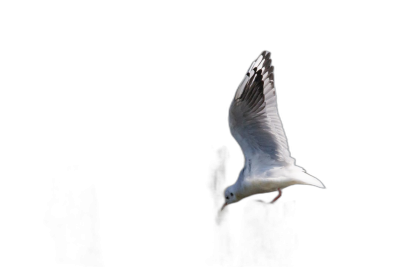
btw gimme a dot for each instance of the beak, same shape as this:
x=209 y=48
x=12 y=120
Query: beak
x=223 y=206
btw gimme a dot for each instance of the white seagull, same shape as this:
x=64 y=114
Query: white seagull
x=255 y=124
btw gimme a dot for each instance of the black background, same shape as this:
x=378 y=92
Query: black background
x=128 y=121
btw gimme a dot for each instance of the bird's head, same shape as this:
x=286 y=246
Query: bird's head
x=230 y=196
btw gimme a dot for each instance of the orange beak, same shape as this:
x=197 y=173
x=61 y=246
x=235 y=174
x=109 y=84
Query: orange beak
x=223 y=206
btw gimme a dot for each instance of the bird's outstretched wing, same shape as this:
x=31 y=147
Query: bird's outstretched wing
x=253 y=116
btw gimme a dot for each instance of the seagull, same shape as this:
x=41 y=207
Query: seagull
x=255 y=124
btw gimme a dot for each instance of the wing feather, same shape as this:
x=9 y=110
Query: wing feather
x=253 y=116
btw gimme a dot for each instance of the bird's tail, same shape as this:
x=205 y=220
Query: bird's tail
x=307 y=179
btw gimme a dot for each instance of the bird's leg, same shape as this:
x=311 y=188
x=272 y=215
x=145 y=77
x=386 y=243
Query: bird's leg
x=278 y=196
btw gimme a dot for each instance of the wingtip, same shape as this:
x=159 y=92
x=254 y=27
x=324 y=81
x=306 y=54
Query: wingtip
x=264 y=52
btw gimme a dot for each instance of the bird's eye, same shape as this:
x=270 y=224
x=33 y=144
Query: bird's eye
x=227 y=197
x=232 y=194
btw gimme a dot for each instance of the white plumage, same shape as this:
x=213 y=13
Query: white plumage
x=255 y=124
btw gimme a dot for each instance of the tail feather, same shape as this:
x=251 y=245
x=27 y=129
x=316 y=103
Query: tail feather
x=307 y=179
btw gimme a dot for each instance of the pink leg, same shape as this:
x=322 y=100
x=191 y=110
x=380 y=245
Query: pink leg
x=278 y=196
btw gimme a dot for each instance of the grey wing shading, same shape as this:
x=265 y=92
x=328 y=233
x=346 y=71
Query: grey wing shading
x=253 y=116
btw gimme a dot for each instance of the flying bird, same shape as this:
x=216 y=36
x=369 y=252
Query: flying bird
x=255 y=124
